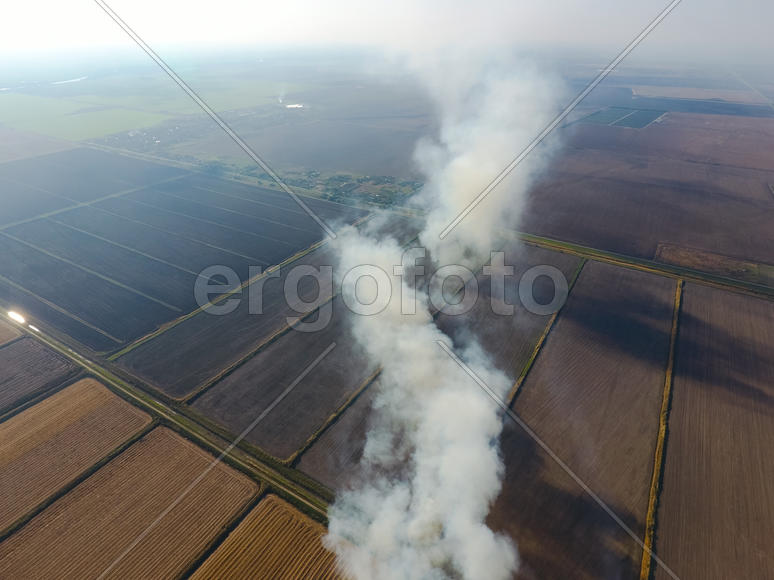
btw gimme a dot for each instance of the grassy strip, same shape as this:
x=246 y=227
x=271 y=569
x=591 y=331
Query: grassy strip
x=539 y=344
x=643 y=265
x=77 y=481
x=169 y=325
x=658 y=460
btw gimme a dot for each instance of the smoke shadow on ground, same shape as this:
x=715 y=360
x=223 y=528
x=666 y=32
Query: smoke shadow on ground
x=561 y=532
x=636 y=332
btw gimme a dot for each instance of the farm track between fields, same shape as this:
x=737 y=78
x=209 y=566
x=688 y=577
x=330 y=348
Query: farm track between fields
x=308 y=500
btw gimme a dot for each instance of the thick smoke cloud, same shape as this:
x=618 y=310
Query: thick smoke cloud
x=431 y=466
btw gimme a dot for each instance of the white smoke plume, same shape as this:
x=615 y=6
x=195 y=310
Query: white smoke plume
x=431 y=466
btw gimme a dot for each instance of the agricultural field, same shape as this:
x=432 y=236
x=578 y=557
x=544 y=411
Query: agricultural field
x=52 y=318
x=50 y=444
x=132 y=237
x=334 y=457
x=188 y=355
x=560 y=531
x=727 y=266
x=622 y=117
x=690 y=180
x=84 y=533
x=731 y=95
x=87 y=294
x=7 y=332
x=27 y=368
x=251 y=388
x=15 y=144
x=594 y=396
x=83 y=175
x=274 y=541
x=510 y=342
x=716 y=509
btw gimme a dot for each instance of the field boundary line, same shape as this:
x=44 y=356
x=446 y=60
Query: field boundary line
x=332 y=419
x=80 y=204
x=298 y=493
x=226 y=531
x=547 y=449
x=309 y=368
x=516 y=388
x=235 y=212
x=94 y=273
x=648 y=266
x=659 y=458
x=206 y=221
x=127 y=248
x=61 y=310
x=207 y=384
x=169 y=325
x=177 y=235
x=172 y=323
x=79 y=479
x=258 y=202
x=68 y=380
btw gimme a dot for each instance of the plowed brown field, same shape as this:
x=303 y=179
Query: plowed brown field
x=48 y=445
x=88 y=532
x=274 y=541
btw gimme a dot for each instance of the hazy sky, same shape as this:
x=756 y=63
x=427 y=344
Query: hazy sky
x=697 y=29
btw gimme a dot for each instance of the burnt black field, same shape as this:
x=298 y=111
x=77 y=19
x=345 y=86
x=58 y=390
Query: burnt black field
x=106 y=248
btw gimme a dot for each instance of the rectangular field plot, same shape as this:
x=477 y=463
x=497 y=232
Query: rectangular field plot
x=51 y=443
x=85 y=174
x=693 y=181
x=21 y=202
x=198 y=349
x=606 y=116
x=716 y=509
x=116 y=309
x=163 y=282
x=258 y=202
x=15 y=144
x=296 y=231
x=27 y=368
x=333 y=458
x=183 y=252
x=508 y=339
x=595 y=391
x=250 y=390
x=43 y=313
x=275 y=541
x=639 y=119
x=7 y=332
x=83 y=534
x=560 y=531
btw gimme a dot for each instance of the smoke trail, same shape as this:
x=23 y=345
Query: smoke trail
x=431 y=466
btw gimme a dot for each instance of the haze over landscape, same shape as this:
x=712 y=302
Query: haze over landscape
x=387 y=290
